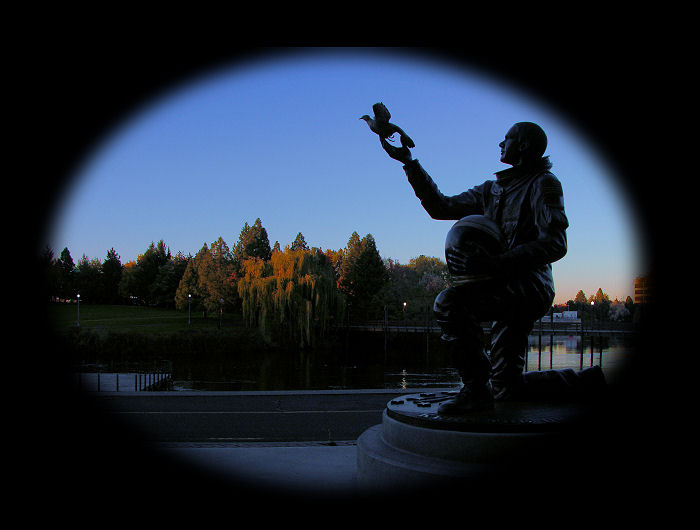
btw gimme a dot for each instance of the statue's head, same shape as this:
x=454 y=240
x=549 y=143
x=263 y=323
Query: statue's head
x=524 y=142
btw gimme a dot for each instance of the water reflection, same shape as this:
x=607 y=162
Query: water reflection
x=557 y=352
x=374 y=368
x=544 y=353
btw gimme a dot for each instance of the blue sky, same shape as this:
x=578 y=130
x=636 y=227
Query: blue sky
x=280 y=138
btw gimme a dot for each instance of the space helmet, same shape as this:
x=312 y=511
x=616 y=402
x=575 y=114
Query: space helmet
x=474 y=235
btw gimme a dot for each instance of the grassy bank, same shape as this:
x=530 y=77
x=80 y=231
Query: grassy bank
x=203 y=351
x=135 y=319
x=131 y=333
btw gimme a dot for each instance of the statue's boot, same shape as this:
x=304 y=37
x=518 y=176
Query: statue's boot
x=565 y=384
x=475 y=369
x=470 y=399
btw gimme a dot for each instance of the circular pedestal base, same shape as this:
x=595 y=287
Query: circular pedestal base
x=414 y=445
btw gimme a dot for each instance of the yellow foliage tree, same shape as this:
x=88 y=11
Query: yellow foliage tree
x=292 y=298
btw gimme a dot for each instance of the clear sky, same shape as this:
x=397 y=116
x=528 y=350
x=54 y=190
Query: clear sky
x=281 y=139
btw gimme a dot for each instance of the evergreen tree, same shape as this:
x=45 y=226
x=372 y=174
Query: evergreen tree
x=168 y=279
x=600 y=304
x=65 y=269
x=127 y=284
x=49 y=268
x=191 y=290
x=363 y=276
x=111 y=276
x=252 y=243
x=215 y=277
x=351 y=254
x=299 y=243
x=88 y=280
x=139 y=282
x=600 y=297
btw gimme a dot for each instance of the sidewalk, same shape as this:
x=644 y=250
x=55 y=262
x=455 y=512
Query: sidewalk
x=302 y=467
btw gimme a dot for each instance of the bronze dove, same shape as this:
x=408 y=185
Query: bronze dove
x=381 y=126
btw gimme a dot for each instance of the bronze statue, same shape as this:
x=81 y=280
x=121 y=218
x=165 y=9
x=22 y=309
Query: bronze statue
x=519 y=223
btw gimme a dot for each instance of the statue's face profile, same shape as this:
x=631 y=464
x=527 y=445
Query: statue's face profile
x=511 y=147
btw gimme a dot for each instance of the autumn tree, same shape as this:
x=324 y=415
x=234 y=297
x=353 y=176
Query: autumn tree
x=432 y=273
x=292 y=298
x=417 y=284
x=209 y=277
x=336 y=258
x=402 y=286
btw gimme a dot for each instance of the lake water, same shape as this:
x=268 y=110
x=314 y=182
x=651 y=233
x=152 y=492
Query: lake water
x=395 y=370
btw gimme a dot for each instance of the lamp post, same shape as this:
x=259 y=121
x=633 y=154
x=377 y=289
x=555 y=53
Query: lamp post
x=221 y=311
x=593 y=321
x=78 y=296
x=189 y=311
x=404 y=314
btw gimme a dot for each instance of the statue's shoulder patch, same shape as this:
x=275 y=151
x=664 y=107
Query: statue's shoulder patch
x=551 y=191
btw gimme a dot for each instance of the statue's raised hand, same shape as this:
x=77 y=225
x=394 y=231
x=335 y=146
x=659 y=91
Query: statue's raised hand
x=402 y=154
x=381 y=125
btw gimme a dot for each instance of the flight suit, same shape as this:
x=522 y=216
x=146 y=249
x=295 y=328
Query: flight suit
x=528 y=206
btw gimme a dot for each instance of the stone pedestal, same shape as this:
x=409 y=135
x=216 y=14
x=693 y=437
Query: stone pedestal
x=414 y=446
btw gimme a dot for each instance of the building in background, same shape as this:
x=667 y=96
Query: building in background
x=641 y=290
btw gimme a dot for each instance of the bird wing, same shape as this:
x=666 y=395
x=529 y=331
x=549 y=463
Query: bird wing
x=381 y=113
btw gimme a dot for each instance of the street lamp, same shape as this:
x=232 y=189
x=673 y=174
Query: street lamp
x=221 y=311
x=78 y=296
x=404 y=314
x=189 y=312
x=593 y=324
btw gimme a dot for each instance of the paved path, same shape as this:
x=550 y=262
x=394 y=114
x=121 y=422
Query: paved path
x=303 y=441
x=250 y=416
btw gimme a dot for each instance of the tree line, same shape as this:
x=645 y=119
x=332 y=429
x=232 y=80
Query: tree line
x=600 y=306
x=294 y=292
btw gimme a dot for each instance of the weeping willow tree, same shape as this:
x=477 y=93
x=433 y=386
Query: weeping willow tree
x=292 y=298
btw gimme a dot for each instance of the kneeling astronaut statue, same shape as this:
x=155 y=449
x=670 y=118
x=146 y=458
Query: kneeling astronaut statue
x=509 y=231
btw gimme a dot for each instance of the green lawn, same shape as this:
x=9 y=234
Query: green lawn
x=132 y=318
